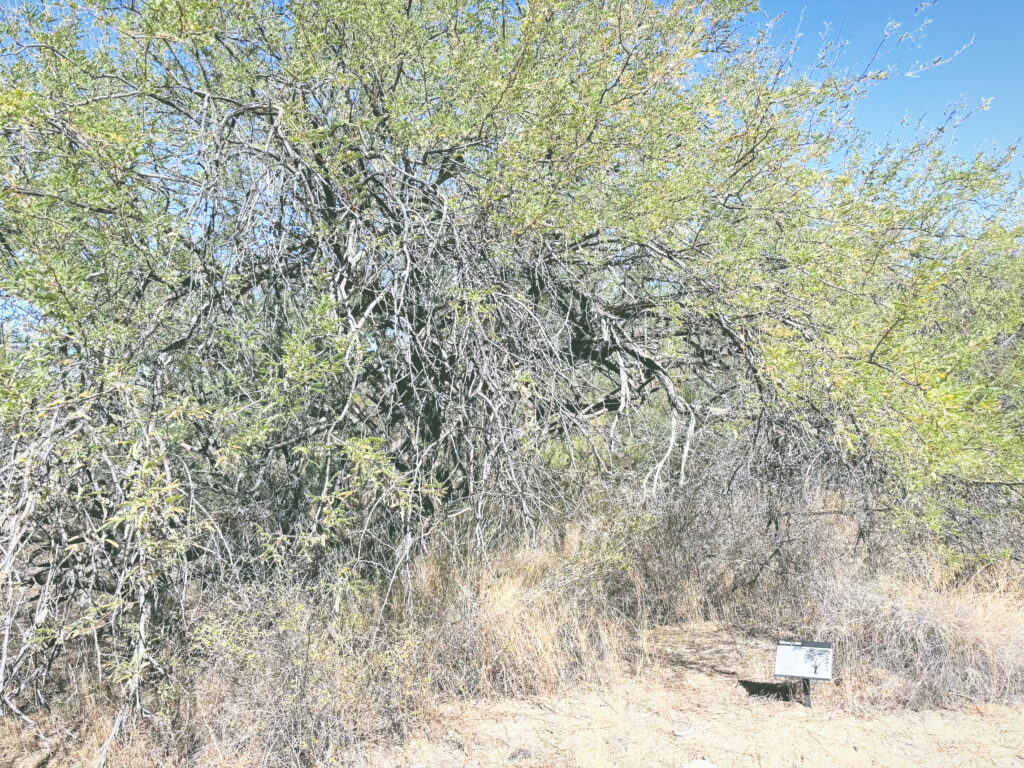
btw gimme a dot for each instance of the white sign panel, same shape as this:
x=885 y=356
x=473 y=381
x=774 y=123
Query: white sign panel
x=803 y=658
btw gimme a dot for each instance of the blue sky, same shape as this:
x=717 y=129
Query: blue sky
x=990 y=68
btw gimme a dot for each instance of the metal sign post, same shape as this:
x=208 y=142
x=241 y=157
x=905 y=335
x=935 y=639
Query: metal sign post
x=805 y=660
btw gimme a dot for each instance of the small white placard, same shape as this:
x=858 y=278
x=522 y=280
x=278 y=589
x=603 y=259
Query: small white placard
x=803 y=658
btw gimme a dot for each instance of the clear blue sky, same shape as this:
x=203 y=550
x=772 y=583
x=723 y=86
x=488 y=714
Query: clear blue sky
x=990 y=68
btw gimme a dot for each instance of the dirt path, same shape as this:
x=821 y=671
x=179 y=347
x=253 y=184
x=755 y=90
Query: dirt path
x=689 y=706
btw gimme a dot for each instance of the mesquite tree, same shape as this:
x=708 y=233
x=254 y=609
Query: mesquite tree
x=294 y=281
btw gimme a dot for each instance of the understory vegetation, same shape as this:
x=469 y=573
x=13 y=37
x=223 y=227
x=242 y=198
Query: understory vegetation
x=358 y=356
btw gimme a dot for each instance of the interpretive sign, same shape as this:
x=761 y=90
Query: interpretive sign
x=803 y=658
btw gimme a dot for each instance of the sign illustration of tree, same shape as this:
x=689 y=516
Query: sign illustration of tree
x=817 y=658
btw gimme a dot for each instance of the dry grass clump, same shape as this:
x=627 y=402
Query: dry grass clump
x=915 y=644
x=903 y=640
x=522 y=622
x=292 y=675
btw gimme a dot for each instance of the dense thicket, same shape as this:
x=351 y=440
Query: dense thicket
x=288 y=285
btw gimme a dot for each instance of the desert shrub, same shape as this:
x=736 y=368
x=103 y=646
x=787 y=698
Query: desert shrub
x=285 y=287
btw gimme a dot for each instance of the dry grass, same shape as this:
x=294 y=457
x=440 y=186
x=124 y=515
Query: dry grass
x=920 y=645
x=681 y=710
x=909 y=631
x=529 y=621
x=302 y=675
x=309 y=674
x=686 y=705
x=288 y=676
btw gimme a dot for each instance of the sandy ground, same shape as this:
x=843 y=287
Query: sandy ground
x=689 y=706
